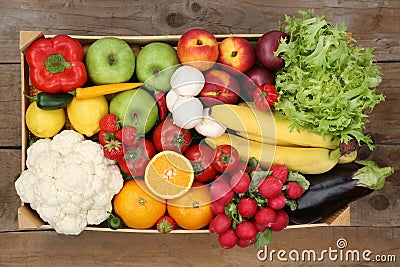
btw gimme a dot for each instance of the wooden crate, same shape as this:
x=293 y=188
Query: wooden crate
x=29 y=219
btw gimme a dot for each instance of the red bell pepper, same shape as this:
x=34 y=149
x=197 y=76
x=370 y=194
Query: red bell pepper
x=56 y=64
x=265 y=96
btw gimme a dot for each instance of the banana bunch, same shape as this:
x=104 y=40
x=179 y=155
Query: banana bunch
x=260 y=135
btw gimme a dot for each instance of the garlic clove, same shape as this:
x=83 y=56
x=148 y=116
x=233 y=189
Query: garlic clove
x=187 y=112
x=209 y=127
x=187 y=81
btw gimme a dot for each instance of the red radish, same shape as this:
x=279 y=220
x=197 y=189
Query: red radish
x=217 y=207
x=280 y=171
x=240 y=182
x=294 y=190
x=260 y=228
x=245 y=243
x=277 y=202
x=246 y=230
x=265 y=216
x=221 y=192
x=282 y=220
x=228 y=239
x=239 y=167
x=247 y=207
x=270 y=187
x=211 y=226
x=221 y=223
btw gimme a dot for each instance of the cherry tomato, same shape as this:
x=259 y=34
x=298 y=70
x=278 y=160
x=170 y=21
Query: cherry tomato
x=226 y=156
x=201 y=157
x=168 y=136
x=135 y=160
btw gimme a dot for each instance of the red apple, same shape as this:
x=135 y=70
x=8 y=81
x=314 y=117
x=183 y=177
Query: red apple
x=257 y=76
x=237 y=53
x=220 y=87
x=266 y=47
x=198 y=48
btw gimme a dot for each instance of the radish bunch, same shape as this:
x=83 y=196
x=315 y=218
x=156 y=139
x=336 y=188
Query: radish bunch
x=249 y=204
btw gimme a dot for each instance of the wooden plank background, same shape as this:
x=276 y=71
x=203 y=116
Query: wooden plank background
x=375 y=219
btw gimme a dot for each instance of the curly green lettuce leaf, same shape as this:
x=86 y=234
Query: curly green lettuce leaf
x=328 y=85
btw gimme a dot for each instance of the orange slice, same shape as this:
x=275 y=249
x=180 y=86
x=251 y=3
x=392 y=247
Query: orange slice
x=169 y=175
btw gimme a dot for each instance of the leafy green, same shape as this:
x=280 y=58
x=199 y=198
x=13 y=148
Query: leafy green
x=328 y=84
x=263 y=238
x=371 y=175
x=298 y=178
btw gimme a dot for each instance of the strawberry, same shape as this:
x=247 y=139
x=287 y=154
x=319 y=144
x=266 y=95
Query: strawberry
x=102 y=138
x=129 y=136
x=165 y=224
x=280 y=171
x=294 y=190
x=113 y=150
x=109 y=123
x=118 y=134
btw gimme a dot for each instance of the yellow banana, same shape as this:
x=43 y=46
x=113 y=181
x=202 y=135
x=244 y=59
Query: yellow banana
x=263 y=139
x=347 y=158
x=264 y=127
x=307 y=160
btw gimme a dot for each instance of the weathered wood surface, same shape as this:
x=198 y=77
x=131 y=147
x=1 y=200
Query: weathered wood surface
x=121 y=249
x=373 y=23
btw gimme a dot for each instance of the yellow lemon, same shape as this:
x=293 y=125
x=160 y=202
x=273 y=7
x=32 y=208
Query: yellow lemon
x=44 y=123
x=85 y=114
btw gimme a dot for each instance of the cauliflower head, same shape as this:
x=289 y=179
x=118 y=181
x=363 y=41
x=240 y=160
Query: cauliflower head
x=69 y=182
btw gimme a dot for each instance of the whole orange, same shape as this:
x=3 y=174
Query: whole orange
x=137 y=206
x=192 y=210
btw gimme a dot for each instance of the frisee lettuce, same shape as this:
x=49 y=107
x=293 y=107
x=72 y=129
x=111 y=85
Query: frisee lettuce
x=328 y=84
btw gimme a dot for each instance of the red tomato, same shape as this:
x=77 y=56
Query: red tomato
x=201 y=157
x=135 y=160
x=226 y=156
x=168 y=136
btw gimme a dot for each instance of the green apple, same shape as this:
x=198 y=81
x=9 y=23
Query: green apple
x=155 y=64
x=110 y=60
x=135 y=108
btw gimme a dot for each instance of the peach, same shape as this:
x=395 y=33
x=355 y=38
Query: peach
x=237 y=53
x=198 y=48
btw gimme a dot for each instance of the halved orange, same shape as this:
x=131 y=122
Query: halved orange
x=169 y=175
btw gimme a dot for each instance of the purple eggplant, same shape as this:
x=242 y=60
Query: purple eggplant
x=333 y=190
